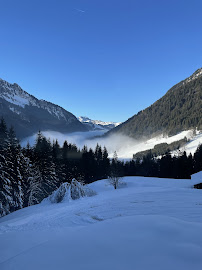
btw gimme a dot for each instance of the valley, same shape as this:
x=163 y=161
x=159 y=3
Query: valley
x=100 y=135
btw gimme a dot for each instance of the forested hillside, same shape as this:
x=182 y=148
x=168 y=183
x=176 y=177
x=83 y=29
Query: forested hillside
x=179 y=109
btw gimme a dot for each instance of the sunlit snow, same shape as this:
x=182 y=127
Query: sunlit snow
x=150 y=224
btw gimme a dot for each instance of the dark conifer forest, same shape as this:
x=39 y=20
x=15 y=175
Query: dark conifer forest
x=30 y=174
x=179 y=109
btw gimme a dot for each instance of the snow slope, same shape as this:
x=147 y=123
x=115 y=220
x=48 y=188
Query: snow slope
x=147 y=224
x=191 y=146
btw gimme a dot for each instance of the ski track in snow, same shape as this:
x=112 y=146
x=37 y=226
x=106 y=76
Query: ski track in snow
x=148 y=224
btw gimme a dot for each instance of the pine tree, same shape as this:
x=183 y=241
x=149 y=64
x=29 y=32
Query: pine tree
x=99 y=162
x=43 y=159
x=198 y=159
x=34 y=192
x=5 y=188
x=88 y=165
x=3 y=135
x=57 y=160
x=15 y=167
x=66 y=166
x=6 y=196
x=105 y=163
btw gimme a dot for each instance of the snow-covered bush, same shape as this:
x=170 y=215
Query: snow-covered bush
x=70 y=191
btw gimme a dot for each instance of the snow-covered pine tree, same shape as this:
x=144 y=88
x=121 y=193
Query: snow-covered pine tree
x=44 y=161
x=5 y=182
x=68 y=191
x=5 y=188
x=15 y=164
x=34 y=191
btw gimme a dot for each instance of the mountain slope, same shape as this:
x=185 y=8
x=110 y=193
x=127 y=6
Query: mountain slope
x=179 y=109
x=97 y=124
x=28 y=115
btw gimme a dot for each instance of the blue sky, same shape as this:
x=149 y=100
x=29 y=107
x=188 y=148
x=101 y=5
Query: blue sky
x=104 y=59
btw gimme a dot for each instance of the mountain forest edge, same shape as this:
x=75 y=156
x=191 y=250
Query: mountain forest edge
x=30 y=174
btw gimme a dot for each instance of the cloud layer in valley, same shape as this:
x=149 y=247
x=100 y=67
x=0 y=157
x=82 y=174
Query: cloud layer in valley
x=123 y=145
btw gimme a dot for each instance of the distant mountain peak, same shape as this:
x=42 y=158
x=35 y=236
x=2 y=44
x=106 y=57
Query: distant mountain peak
x=97 y=124
x=198 y=71
x=195 y=75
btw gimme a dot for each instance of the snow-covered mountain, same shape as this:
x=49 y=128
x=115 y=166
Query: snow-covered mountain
x=97 y=124
x=29 y=115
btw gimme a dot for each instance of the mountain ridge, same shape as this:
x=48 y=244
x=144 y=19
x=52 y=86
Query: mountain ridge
x=179 y=109
x=28 y=115
x=97 y=124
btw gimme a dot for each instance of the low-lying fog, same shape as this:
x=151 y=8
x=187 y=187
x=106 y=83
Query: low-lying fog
x=123 y=145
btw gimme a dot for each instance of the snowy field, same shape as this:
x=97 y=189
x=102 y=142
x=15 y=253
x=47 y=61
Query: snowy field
x=191 y=146
x=150 y=223
x=123 y=145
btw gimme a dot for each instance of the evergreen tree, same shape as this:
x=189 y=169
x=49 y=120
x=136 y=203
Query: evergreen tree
x=57 y=159
x=15 y=167
x=3 y=135
x=198 y=159
x=105 y=163
x=5 y=182
x=88 y=165
x=44 y=161
x=166 y=166
x=34 y=193
x=99 y=162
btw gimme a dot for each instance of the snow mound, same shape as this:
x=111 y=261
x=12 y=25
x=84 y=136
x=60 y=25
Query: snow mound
x=70 y=191
x=197 y=176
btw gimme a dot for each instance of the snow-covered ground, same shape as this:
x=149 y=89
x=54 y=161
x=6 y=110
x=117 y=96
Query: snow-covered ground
x=191 y=146
x=148 y=224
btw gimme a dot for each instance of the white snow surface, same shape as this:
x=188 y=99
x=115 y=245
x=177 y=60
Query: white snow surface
x=17 y=100
x=150 y=223
x=192 y=145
